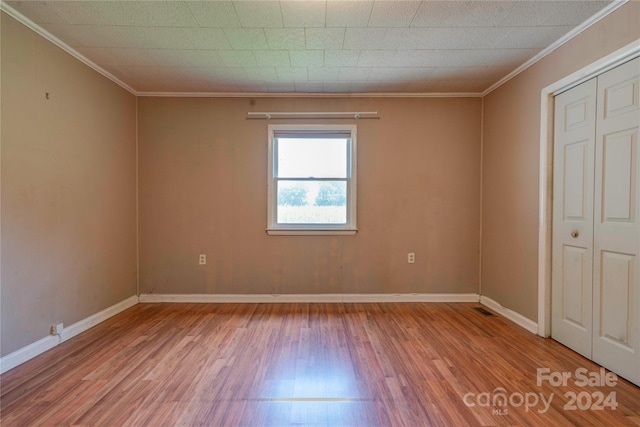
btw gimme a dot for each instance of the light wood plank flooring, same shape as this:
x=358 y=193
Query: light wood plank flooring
x=304 y=364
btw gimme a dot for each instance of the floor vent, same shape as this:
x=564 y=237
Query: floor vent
x=483 y=311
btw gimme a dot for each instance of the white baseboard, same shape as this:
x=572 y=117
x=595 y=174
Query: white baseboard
x=516 y=318
x=410 y=298
x=309 y=298
x=91 y=321
x=239 y=298
x=20 y=356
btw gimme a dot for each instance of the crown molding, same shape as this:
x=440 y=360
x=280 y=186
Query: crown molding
x=561 y=41
x=310 y=94
x=62 y=45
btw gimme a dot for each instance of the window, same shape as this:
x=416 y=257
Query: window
x=312 y=179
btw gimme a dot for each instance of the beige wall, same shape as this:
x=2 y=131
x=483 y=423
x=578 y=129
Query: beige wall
x=68 y=189
x=203 y=189
x=511 y=161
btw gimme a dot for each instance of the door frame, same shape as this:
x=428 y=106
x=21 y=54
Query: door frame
x=545 y=213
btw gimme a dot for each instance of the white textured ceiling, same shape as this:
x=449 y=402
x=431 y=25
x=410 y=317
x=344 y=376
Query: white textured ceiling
x=308 y=46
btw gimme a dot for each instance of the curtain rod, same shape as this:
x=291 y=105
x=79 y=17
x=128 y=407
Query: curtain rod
x=309 y=115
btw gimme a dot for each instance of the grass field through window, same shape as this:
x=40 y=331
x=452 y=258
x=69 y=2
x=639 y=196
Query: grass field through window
x=312 y=214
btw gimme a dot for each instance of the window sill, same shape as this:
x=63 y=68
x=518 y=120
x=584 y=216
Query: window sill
x=310 y=232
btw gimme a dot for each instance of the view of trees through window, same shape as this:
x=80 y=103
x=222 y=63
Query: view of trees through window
x=330 y=193
x=316 y=202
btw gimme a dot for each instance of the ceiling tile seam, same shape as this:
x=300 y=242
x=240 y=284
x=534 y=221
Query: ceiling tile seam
x=414 y=15
x=237 y=14
x=281 y=16
x=192 y=15
x=503 y=37
x=226 y=37
x=181 y=27
x=370 y=13
x=325 y=21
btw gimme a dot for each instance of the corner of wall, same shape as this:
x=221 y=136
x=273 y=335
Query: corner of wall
x=27 y=353
x=480 y=198
x=137 y=205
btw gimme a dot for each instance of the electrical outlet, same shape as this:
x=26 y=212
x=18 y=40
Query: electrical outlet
x=411 y=257
x=203 y=259
x=56 y=329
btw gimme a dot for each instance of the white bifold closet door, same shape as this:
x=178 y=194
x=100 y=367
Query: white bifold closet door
x=596 y=230
x=572 y=284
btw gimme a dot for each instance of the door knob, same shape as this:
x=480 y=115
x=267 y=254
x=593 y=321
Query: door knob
x=574 y=234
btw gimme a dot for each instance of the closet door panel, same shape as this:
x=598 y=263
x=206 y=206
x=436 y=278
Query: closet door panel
x=572 y=259
x=616 y=273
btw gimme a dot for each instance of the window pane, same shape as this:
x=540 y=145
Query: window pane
x=312 y=158
x=312 y=202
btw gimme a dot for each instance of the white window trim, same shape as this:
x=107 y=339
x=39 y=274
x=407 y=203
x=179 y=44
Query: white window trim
x=275 y=229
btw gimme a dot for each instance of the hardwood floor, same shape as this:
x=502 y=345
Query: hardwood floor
x=390 y=364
